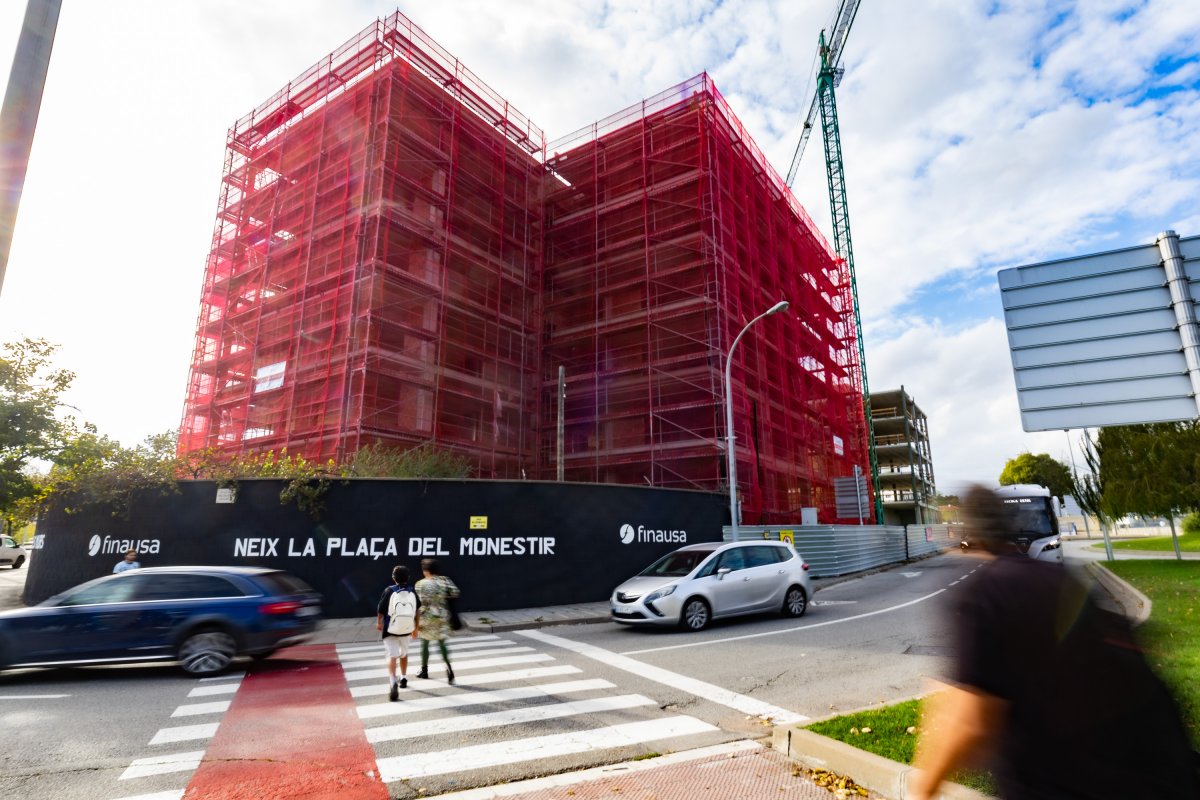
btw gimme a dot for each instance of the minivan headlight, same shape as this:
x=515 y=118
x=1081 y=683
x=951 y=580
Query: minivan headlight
x=659 y=594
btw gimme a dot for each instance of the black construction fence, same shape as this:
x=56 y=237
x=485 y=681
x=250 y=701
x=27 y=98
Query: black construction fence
x=507 y=544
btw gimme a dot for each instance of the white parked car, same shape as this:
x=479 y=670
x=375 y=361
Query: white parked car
x=11 y=552
x=701 y=582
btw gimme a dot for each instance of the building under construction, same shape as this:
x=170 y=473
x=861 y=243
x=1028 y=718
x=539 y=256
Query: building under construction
x=400 y=256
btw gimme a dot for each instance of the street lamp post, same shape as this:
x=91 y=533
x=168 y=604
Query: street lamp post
x=731 y=460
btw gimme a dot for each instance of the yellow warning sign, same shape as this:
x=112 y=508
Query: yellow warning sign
x=787 y=536
x=479 y=523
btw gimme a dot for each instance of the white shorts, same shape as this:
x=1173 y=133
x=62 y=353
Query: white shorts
x=396 y=646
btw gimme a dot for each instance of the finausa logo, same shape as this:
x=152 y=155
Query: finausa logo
x=108 y=544
x=641 y=533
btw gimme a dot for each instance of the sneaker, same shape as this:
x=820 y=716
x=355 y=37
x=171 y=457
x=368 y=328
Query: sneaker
x=424 y=673
x=404 y=683
x=394 y=693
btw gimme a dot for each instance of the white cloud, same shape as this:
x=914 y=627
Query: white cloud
x=962 y=380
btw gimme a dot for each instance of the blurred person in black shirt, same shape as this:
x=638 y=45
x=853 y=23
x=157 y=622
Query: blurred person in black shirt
x=1046 y=686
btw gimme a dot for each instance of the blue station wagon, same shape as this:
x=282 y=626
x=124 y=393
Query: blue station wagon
x=202 y=617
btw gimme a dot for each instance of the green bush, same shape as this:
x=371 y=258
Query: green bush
x=1191 y=523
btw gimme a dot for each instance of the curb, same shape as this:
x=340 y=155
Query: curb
x=500 y=627
x=1133 y=603
x=876 y=773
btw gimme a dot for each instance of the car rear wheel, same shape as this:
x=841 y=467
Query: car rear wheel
x=795 y=602
x=20 y=560
x=696 y=615
x=207 y=652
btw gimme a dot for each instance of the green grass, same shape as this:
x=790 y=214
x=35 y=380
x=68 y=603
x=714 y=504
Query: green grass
x=885 y=732
x=1171 y=637
x=1188 y=543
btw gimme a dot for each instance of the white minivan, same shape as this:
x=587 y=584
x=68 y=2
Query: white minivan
x=11 y=553
x=696 y=584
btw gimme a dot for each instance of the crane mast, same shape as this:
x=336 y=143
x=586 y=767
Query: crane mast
x=825 y=102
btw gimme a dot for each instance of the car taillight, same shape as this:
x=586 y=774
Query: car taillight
x=804 y=566
x=285 y=607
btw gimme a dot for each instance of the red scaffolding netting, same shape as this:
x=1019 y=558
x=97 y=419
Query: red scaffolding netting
x=399 y=257
x=666 y=232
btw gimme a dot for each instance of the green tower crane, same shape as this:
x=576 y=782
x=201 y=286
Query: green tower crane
x=828 y=78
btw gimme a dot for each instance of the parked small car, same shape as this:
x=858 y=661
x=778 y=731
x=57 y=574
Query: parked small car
x=696 y=584
x=202 y=617
x=12 y=553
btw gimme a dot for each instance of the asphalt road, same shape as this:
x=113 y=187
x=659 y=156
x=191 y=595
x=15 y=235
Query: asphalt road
x=527 y=703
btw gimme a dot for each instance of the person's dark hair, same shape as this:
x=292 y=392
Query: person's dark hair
x=986 y=519
x=431 y=566
x=400 y=575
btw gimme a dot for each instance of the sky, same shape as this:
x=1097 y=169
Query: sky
x=977 y=135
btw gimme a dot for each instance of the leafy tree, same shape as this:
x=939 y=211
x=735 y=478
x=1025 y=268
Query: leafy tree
x=91 y=468
x=1151 y=470
x=30 y=392
x=1039 y=469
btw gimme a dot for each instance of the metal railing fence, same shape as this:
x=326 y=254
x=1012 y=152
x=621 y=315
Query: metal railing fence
x=833 y=550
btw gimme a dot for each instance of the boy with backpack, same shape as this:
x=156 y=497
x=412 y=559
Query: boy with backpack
x=396 y=620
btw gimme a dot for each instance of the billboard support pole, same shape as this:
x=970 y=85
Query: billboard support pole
x=1182 y=305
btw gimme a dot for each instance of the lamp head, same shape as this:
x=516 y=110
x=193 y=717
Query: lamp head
x=782 y=305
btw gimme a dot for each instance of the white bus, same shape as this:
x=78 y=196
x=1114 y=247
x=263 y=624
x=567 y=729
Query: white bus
x=1035 y=520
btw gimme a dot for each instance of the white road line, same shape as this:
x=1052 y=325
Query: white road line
x=351 y=663
x=185 y=733
x=597 y=773
x=954 y=583
x=160 y=765
x=512 y=716
x=481 y=698
x=419 y=765
x=226 y=677
x=706 y=691
x=782 y=631
x=472 y=680
x=195 y=709
x=374 y=674
x=33 y=696
x=216 y=688
x=173 y=794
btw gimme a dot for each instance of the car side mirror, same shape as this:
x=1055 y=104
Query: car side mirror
x=722 y=572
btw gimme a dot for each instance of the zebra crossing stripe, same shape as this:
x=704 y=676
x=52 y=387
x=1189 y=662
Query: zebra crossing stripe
x=172 y=794
x=381 y=672
x=358 y=661
x=452 y=642
x=159 y=765
x=214 y=689
x=474 y=680
x=228 y=676
x=185 y=733
x=441 y=762
x=374 y=710
x=707 y=691
x=495 y=719
x=195 y=709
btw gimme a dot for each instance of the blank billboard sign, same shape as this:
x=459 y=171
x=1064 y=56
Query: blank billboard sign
x=1106 y=339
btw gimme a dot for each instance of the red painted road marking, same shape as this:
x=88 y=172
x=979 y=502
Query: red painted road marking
x=291 y=732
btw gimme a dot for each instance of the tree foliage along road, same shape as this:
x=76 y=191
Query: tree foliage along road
x=1039 y=469
x=30 y=392
x=1151 y=470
